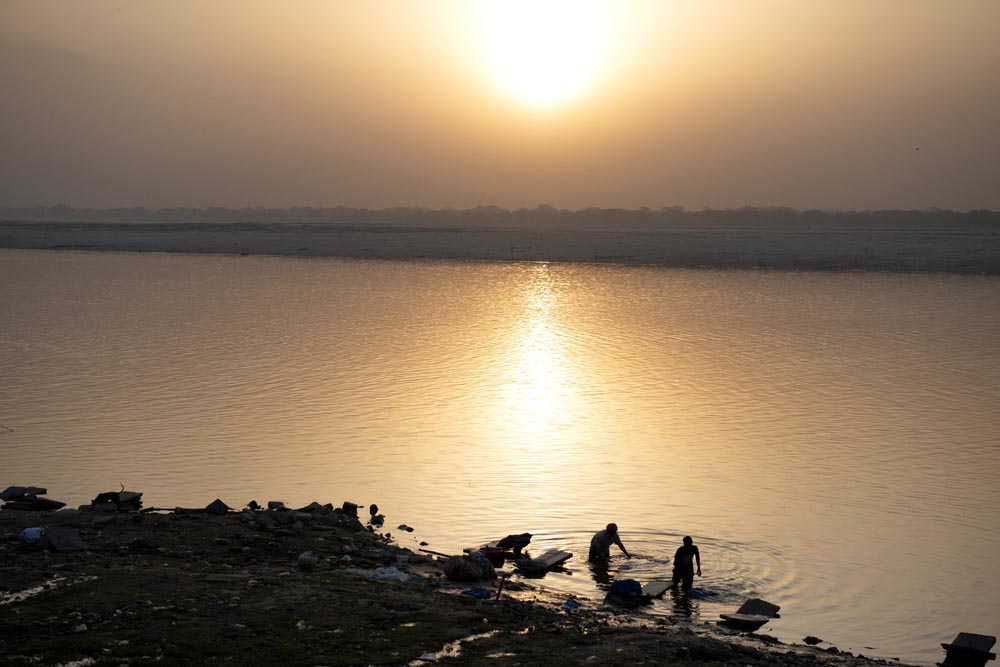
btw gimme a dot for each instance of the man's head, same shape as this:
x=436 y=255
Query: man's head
x=688 y=541
x=612 y=528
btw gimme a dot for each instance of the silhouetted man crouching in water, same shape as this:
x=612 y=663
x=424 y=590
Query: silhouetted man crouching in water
x=600 y=545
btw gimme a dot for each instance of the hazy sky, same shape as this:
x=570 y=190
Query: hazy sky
x=839 y=104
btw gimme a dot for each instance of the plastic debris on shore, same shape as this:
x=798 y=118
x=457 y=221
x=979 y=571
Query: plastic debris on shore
x=31 y=535
x=479 y=593
x=389 y=575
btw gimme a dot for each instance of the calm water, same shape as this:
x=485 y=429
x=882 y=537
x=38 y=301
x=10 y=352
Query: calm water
x=831 y=441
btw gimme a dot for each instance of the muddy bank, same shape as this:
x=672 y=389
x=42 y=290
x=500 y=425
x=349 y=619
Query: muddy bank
x=196 y=588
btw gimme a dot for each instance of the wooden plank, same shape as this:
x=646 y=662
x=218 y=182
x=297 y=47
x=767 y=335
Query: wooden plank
x=548 y=560
x=553 y=557
x=655 y=589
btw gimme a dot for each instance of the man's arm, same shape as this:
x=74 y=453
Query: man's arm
x=621 y=546
x=697 y=558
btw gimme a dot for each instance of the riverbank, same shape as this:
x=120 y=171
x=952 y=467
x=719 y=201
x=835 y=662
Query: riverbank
x=193 y=588
x=953 y=248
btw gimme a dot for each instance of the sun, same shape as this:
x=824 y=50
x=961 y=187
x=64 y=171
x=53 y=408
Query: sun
x=546 y=52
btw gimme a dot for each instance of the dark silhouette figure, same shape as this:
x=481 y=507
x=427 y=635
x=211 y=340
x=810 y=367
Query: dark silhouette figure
x=684 y=561
x=600 y=544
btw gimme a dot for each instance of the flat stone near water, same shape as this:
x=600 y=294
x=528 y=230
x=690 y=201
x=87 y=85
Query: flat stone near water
x=972 y=642
x=758 y=607
x=12 y=492
x=751 y=615
x=969 y=650
x=33 y=504
x=748 y=622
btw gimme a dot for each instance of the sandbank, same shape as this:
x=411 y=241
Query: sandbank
x=958 y=249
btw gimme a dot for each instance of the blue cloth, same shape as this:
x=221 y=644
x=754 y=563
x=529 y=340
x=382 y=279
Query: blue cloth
x=480 y=593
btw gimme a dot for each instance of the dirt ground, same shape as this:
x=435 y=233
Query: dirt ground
x=196 y=589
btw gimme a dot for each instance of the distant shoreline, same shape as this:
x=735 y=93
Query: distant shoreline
x=958 y=248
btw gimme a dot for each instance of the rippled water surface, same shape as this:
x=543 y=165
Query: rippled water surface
x=830 y=440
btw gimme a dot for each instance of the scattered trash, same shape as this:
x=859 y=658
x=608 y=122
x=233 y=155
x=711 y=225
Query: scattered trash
x=570 y=605
x=478 y=593
x=968 y=650
x=402 y=561
x=389 y=574
x=345 y=558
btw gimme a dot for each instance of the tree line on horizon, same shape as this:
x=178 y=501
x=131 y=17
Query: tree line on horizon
x=542 y=214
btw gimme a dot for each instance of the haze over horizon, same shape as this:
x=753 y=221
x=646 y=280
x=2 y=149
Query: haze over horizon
x=879 y=104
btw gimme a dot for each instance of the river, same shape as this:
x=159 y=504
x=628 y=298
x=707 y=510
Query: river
x=830 y=440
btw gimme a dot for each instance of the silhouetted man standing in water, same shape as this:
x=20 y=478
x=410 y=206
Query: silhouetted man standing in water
x=600 y=545
x=684 y=559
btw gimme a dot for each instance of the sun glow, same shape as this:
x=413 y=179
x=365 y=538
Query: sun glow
x=546 y=51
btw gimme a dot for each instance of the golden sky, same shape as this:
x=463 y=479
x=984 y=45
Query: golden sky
x=839 y=104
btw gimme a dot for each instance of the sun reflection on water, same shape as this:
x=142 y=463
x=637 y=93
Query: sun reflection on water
x=540 y=395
